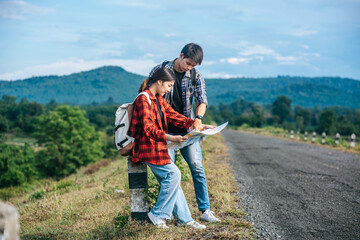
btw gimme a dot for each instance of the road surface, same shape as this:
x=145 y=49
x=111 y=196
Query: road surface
x=294 y=190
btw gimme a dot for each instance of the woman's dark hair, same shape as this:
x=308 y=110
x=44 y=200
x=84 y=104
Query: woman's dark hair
x=163 y=74
x=194 y=52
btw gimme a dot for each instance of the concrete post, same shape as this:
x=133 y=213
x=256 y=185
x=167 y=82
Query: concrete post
x=352 y=140
x=298 y=135
x=337 y=137
x=137 y=184
x=305 y=136
x=286 y=133
x=323 y=138
x=313 y=137
x=292 y=134
x=9 y=222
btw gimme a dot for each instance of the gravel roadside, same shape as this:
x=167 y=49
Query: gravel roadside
x=296 y=190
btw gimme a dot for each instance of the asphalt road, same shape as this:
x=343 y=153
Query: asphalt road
x=294 y=190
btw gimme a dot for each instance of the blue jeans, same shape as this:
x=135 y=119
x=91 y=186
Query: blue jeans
x=193 y=156
x=171 y=199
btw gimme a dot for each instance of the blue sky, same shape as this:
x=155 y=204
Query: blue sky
x=258 y=38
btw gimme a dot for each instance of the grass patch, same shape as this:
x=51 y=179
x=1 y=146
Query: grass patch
x=85 y=205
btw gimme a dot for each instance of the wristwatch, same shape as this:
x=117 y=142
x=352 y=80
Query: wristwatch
x=199 y=117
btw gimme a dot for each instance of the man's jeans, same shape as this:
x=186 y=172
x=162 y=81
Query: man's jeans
x=171 y=199
x=193 y=156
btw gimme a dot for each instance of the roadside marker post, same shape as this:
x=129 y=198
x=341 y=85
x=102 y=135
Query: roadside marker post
x=298 y=135
x=292 y=134
x=352 y=140
x=305 y=136
x=323 y=138
x=337 y=137
x=313 y=137
x=137 y=184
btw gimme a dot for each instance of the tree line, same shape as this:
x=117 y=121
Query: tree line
x=68 y=137
x=280 y=113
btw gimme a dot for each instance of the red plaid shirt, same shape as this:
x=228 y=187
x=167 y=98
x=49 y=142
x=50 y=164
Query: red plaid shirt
x=148 y=130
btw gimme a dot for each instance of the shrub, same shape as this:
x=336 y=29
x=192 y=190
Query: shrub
x=17 y=165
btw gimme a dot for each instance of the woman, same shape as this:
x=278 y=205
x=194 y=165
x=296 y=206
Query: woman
x=149 y=128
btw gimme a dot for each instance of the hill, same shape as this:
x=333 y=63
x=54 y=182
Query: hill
x=110 y=81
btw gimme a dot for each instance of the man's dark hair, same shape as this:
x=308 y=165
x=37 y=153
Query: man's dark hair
x=194 y=52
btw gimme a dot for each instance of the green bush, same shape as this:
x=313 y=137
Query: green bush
x=69 y=140
x=37 y=195
x=17 y=165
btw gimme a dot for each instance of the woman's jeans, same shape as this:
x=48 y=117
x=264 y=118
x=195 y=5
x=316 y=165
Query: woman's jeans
x=171 y=199
x=193 y=156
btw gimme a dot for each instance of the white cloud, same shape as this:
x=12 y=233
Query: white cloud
x=219 y=75
x=303 y=32
x=257 y=50
x=20 y=10
x=138 y=66
x=169 y=35
x=135 y=4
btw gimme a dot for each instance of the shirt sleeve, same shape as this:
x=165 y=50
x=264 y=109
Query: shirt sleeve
x=147 y=120
x=200 y=91
x=176 y=118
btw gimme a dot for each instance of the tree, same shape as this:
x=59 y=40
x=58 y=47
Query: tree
x=17 y=165
x=282 y=108
x=299 y=122
x=69 y=140
x=328 y=121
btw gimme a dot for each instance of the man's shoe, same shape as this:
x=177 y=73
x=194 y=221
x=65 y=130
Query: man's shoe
x=208 y=216
x=195 y=225
x=159 y=222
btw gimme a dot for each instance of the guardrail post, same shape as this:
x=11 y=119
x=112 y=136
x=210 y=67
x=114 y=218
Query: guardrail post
x=305 y=136
x=313 y=137
x=337 y=137
x=137 y=184
x=9 y=222
x=292 y=134
x=323 y=138
x=352 y=140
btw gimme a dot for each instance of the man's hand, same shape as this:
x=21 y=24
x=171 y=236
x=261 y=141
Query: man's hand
x=206 y=126
x=197 y=125
x=178 y=138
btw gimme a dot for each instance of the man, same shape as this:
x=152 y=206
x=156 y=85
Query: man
x=180 y=98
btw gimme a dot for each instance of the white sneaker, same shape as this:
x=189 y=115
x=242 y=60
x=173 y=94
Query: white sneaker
x=159 y=222
x=208 y=216
x=195 y=225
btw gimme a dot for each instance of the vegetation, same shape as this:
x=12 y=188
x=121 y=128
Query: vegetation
x=86 y=205
x=96 y=86
x=69 y=141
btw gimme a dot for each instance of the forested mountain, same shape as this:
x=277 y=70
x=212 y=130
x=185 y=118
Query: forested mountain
x=99 y=84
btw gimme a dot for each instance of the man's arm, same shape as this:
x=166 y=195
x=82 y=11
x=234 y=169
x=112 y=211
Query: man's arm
x=200 y=110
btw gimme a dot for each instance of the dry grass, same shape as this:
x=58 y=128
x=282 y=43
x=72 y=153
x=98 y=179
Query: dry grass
x=86 y=206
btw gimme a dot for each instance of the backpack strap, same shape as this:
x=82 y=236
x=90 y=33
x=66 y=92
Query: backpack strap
x=164 y=63
x=193 y=76
x=147 y=96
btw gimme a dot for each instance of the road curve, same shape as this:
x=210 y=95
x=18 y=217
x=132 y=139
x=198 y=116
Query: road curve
x=294 y=190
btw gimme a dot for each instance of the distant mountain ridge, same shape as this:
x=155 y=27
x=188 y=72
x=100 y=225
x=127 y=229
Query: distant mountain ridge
x=99 y=84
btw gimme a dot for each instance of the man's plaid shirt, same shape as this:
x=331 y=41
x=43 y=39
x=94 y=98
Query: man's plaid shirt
x=148 y=130
x=189 y=90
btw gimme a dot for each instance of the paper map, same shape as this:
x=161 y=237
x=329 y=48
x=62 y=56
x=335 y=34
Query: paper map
x=195 y=135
